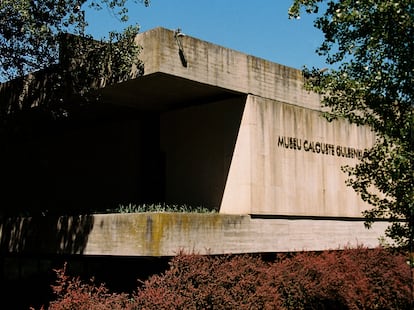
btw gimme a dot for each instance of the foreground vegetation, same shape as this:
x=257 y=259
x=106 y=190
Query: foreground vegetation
x=159 y=207
x=350 y=279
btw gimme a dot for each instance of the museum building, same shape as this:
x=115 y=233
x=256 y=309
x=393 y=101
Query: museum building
x=203 y=125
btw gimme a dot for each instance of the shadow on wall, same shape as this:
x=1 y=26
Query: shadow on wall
x=41 y=89
x=199 y=143
x=45 y=235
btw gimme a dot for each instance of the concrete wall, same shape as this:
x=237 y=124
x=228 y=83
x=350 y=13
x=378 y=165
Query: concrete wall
x=198 y=144
x=193 y=147
x=219 y=66
x=288 y=159
x=166 y=234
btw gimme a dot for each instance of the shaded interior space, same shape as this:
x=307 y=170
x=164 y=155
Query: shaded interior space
x=155 y=139
x=90 y=162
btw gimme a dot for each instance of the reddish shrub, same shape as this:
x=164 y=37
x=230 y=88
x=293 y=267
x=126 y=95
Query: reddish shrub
x=202 y=282
x=349 y=279
x=72 y=293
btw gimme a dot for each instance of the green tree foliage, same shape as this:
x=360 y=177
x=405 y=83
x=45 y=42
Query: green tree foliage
x=44 y=45
x=30 y=30
x=370 y=45
x=56 y=70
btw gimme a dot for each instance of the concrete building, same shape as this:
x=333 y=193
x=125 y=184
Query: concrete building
x=204 y=126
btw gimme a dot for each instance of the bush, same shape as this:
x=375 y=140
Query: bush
x=203 y=282
x=349 y=279
x=72 y=293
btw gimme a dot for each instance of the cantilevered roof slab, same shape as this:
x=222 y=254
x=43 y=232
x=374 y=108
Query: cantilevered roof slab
x=160 y=91
x=200 y=61
x=195 y=71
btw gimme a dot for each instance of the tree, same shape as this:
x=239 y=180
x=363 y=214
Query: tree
x=30 y=30
x=370 y=44
x=49 y=36
x=56 y=71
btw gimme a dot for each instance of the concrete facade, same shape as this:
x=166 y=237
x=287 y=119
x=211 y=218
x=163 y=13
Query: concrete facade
x=204 y=126
x=287 y=158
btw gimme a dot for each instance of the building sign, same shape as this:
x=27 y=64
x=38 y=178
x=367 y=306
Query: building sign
x=319 y=147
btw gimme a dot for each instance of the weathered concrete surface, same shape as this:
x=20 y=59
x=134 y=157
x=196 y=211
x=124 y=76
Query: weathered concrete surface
x=166 y=234
x=215 y=65
x=267 y=175
x=287 y=160
x=198 y=144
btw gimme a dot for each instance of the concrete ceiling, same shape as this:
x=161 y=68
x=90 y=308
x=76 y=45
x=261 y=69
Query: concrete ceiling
x=161 y=92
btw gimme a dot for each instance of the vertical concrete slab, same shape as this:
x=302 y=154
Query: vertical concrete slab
x=288 y=159
x=237 y=193
x=198 y=143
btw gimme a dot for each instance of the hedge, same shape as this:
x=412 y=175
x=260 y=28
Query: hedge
x=358 y=278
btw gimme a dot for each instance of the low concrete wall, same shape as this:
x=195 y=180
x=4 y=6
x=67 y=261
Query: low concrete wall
x=166 y=234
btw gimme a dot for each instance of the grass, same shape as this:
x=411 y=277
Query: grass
x=159 y=207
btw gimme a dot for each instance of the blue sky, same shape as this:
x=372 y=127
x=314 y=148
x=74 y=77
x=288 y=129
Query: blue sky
x=260 y=28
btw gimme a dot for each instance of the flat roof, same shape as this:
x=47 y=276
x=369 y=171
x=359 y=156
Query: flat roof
x=190 y=72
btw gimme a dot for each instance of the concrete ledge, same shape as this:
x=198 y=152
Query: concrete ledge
x=165 y=234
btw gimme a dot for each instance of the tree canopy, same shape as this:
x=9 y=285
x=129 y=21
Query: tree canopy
x=370 y=46
x=30 y=30
x=48 y=37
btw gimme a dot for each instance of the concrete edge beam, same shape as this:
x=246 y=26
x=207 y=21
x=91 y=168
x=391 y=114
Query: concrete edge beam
x=167 y=234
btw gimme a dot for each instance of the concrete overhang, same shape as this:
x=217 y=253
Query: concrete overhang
x=160 y=92
x=212 y=65
x=210 y=73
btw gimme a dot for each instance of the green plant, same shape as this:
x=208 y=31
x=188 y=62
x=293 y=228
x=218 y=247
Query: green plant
x=159 y=207
x=369 y=47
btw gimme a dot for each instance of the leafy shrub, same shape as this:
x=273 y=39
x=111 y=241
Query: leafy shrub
x=72 y=293
x=203 y=282
x=349 y=279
